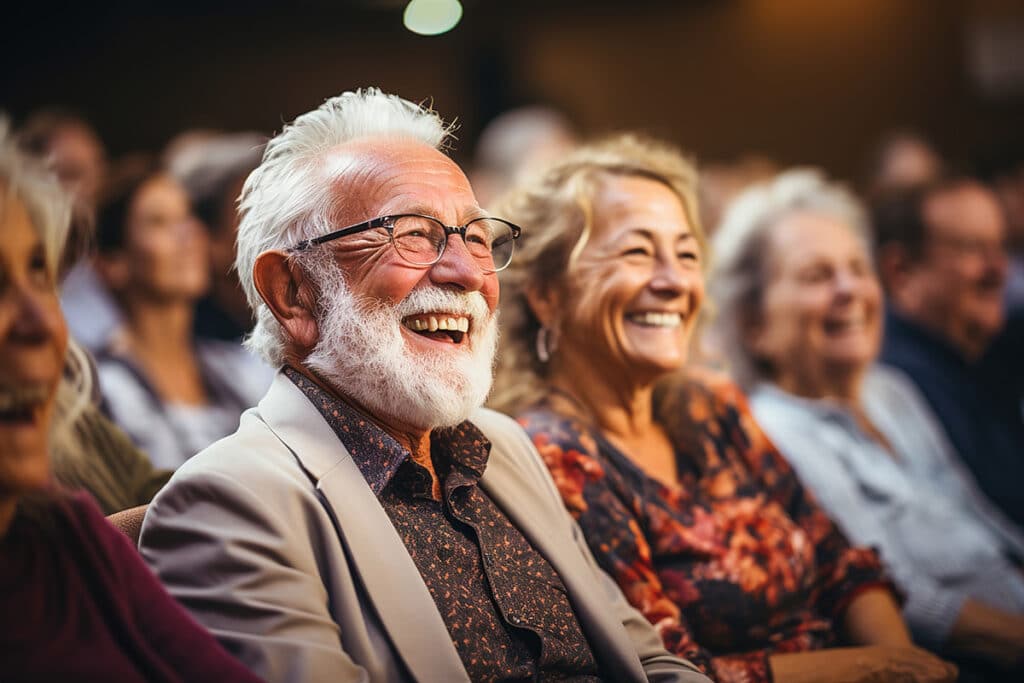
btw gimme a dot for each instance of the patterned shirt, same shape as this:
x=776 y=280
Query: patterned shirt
x=506 y=609
x=733 y=564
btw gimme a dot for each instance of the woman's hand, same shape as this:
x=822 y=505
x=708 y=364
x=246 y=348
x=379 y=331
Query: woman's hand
x=989 y=633
x=872 y=664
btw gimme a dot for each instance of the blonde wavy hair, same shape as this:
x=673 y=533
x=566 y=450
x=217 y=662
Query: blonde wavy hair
x=555 y=209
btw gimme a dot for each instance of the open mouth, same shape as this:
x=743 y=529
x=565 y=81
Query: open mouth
x=442 y=327
x=655 y=319
x=20 y=406
x=844 y=325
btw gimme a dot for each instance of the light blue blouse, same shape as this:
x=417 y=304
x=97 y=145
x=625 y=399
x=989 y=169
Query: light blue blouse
x=941 y=539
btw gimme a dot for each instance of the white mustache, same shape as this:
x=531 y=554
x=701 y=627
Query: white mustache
x=434 y=300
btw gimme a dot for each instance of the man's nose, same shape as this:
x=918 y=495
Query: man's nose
x=457 y=267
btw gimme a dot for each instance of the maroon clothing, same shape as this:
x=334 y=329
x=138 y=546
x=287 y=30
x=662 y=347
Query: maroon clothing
x=735 y=563
x=503 y=604
x=80 y=605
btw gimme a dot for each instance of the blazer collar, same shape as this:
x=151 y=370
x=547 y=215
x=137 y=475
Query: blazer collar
x=379 y=557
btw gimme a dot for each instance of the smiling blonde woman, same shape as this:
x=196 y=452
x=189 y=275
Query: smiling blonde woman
x=681 y=498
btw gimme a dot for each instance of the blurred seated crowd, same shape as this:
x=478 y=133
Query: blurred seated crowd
x=582 y=411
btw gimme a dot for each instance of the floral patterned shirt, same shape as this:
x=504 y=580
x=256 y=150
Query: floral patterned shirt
x=736 y=562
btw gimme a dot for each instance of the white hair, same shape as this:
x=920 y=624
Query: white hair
x=288 y=197
x=740 y=245
x=48 y=205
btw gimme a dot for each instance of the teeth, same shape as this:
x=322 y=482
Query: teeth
x=433 y=324
x=656 y=319
x=19 y=398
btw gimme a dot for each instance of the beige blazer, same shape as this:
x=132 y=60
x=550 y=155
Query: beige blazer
x=272 y=539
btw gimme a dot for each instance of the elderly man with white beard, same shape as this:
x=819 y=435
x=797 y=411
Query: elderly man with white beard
x=369 y=521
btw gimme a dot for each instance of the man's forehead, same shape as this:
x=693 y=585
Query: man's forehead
x=965 y=206
x=373 y=172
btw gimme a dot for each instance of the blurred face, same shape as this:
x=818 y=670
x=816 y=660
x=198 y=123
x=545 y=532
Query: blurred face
x=33 y=339
x=78 y=159
x=821 y=307
x=957 y=287
x=633 y=296
x=413 y=343
x=166 y=248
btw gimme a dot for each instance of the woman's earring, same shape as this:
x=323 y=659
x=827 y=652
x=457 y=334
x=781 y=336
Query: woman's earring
x=546 y=344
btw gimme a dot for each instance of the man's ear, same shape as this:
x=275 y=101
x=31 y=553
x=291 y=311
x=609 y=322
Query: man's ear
x=894 y=268
x=289 y=295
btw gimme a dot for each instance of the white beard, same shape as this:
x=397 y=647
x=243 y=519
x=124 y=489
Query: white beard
x=362 y=354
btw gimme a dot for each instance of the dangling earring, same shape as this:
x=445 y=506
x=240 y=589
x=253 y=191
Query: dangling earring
x=546 y=344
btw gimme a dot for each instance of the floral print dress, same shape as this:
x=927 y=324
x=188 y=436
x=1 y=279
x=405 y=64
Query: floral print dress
x=736 y=562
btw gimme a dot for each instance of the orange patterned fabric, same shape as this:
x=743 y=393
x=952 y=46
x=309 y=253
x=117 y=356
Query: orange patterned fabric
x=733 y=564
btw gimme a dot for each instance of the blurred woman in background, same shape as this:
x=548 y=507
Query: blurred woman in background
x=78 y=602
x=174 y=394
x=801 y=316
x=682 y=499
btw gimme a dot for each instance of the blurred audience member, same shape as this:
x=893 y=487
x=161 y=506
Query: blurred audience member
x=98 y=457
x=173 y=393
x=903 y=159
x=680 y=496
x=212 y=169
x=797 y=292
x=71 y=147
x=516 y=143
x=78 y=603
x=722 y=182
x=1003 y=170
x=942 y=259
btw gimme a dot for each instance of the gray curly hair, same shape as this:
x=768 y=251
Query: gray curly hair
x=555 y=208
x=741 y=246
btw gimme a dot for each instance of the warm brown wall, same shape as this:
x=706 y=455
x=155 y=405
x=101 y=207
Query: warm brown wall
x=805 y=81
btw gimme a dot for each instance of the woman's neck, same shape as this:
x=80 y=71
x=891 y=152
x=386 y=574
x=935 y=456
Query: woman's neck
x=621 y=410
x=161 y=330
x=839 y=386
x=623 y=413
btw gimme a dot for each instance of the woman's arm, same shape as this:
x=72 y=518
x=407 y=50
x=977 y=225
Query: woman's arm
x=862 y=665
x=988 y=633
x=873 y=618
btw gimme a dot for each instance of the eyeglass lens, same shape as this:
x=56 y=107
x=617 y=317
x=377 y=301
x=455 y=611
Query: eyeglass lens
x=421 y=241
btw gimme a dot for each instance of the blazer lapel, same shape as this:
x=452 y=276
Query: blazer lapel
x=517 y=494
x=376 y=551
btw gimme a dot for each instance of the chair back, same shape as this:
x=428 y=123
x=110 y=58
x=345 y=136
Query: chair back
x=129 y=522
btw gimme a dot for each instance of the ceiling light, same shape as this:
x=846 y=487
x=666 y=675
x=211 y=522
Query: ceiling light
x=432 y=17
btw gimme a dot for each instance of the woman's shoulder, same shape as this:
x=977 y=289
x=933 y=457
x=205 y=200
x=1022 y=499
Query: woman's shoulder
x=569 y=449
x=548 y=426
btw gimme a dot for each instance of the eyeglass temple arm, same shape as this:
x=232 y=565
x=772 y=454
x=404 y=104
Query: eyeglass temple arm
x=344 y=232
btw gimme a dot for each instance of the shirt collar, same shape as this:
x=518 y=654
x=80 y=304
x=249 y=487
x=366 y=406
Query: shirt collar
x=459 y=452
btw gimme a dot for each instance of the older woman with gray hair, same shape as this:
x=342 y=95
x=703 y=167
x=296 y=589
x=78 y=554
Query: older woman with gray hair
x=680 y=497
x=78 y=602
x=800 y=317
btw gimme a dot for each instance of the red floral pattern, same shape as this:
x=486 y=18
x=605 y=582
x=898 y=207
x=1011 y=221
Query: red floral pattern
x=735 y=563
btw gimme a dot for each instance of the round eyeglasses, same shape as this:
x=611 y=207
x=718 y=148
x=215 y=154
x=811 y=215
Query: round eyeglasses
x=421 y=240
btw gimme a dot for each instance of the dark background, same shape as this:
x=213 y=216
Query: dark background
x=802 y=81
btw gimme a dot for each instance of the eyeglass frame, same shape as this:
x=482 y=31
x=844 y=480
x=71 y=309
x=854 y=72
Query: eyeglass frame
x=387 y=222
